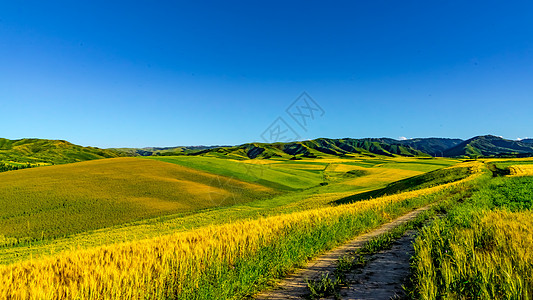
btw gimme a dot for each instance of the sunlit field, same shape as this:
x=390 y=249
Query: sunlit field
x=482 y=249
x=214 y=261
x=164 y=234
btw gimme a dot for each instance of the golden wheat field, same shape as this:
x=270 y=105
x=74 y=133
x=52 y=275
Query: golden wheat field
x=176 y=262
x=521 y=170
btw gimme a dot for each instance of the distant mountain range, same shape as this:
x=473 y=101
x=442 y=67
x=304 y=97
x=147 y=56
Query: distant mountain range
x=148 y=151
x=481 y=146
x=59 y=151
x=490 y=145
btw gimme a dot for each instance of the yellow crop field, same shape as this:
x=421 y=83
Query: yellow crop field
x=380 y=176
x=167 y=221
x=177 y=263
x=521 y=170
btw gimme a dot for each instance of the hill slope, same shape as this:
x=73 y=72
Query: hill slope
x=60 y=200
x=432 y=146
x=149 y=151
x=316 y=148
x=489 y=145
x=49 y=151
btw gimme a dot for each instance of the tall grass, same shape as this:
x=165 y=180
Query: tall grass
x=226 y=261
x=491 y=259
x=482 y=249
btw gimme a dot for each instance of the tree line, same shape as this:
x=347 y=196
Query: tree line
x=5 y=167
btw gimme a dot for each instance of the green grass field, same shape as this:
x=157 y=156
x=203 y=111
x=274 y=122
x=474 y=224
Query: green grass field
x=233 y=259
x=279 y=175
x=58 y=212
x=56 y=201
x=482 y=249
x=99 y=202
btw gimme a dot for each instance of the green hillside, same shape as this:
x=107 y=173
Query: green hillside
x=316 y=148
x=148 y=151
x=490 y=145
x=54 y=201
x=432 y=146
x=40 y=151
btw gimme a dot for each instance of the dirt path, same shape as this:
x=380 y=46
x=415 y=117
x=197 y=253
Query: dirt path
x=383 y=275
x=295 y=286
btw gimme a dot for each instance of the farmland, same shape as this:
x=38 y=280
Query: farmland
x=271 y=216
x=56 y=201
x=112 y=184
x=230 y=251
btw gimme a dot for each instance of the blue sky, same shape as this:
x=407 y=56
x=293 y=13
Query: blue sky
x=139 y=74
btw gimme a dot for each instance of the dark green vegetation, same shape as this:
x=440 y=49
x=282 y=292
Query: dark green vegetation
x=324 y=287
x=319 y=147
x=13 y=166
x=36 y=151
x=166 y=151
x=488 y=146
x=433 y=178
x=432 y=146
x=481 y=146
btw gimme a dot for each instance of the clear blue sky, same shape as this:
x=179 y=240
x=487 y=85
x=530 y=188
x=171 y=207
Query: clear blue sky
x=138 y=73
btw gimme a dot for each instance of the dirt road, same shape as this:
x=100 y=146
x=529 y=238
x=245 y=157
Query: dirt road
x=382 y=284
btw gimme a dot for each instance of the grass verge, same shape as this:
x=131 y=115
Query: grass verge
x=482 y=249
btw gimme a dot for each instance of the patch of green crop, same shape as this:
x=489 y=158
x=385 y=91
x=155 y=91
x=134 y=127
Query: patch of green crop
x=270 y=175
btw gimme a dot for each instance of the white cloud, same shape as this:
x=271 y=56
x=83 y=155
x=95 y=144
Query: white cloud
x=402 y=138
x=524 y=138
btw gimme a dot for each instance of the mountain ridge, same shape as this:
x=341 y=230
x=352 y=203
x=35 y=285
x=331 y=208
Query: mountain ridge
x=489 y=145
x=60 y=151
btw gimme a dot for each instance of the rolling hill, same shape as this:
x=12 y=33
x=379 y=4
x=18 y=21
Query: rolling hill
x=36 y=151
x=480 y=146
x=490 y=145
x=39 y=151
x=431 y=146
x=54 y=201
x=148 y=151
x=317 y=148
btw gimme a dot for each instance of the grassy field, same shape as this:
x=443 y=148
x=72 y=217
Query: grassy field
x=154 y=228
x=282 y=175
x=167 y=222
x=225 y=261
x=55 y=201
x=482 y=249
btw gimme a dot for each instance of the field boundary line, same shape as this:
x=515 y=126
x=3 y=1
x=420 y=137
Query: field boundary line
x=294 y=286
